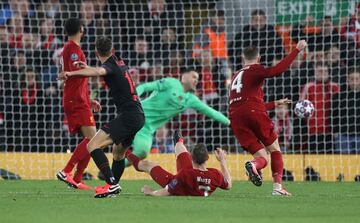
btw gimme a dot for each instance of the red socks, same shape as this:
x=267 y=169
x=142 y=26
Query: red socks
x=81 y=168
x=259 y=162
x=79 y=154
x=277 y=166
x=134 y=160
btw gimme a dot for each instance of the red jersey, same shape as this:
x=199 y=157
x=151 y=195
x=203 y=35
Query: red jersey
x=246 y=92
x=194 y=182
x=75 y=88
x=320 y=94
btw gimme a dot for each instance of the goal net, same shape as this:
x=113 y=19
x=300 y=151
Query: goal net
x=158 y=39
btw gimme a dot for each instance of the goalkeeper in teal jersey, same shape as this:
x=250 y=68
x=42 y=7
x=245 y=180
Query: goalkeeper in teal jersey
x=168 y=98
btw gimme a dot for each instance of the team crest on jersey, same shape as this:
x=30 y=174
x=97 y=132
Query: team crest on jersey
x=74 y=57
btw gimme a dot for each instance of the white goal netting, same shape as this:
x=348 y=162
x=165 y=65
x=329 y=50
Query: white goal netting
x=158 y=39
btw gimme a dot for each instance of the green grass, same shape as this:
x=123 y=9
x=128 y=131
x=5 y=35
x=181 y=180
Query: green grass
x=51 y=201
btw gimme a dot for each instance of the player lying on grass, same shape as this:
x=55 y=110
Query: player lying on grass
x=120 y=131
x=249 y=119
x=193 y=178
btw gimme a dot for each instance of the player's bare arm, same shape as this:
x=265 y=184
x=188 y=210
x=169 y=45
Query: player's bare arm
x=283 y=65
x=151 y=192
x=80 y=64
x=87 y=72
x=220 y=155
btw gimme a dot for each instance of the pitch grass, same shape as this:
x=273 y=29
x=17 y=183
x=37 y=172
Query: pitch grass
x=51 y=201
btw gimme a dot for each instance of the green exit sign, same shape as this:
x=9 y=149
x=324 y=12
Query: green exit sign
x=295 y=11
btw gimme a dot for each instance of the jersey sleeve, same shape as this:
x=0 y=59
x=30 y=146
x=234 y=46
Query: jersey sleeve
x=159 y=85
x=282 y=66
x=200 y=106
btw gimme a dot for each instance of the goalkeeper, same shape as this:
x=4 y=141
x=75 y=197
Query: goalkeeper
x=168 y=98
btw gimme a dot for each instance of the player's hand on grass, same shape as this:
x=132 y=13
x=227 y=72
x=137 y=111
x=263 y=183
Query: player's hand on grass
x=80 y=64
x=283 y=101
x=177 y=136
x=95 y=105
x=147 y=190
x=220 y=154
x=63 y=76
x=301 y=45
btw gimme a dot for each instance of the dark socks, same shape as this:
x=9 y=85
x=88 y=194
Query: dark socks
x=118 y=167
x=102 y=163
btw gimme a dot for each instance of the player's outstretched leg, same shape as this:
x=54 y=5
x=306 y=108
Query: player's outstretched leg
x=66 y=178
x=95 y=148
x=277 y=167
x=253 y=168
x=79 y=153
x=81 y=158
x=157 y=173
x=80 y=169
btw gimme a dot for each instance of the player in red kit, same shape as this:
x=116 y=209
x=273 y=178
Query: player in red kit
x=77 y=105
x=249 y=119
x=193 y=178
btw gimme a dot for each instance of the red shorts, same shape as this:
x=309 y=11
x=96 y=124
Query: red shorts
x=163 y=177
x=78 y=116
x=254 y=130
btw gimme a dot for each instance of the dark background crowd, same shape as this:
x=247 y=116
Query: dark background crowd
x=158 y=39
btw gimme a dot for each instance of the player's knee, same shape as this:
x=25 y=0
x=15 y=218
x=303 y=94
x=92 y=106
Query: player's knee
x=118 y=152
x=118 y=156
x=273 y=147
x=88 y=131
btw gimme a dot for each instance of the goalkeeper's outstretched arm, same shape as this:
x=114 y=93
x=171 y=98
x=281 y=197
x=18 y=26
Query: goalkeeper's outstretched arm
x=200 y=106
x=159 y=85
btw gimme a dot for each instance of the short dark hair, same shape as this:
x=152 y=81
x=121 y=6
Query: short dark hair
x=73 y=26
x=251 y=52
x=258 y=12
x=199 y=154
x=103 y=46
